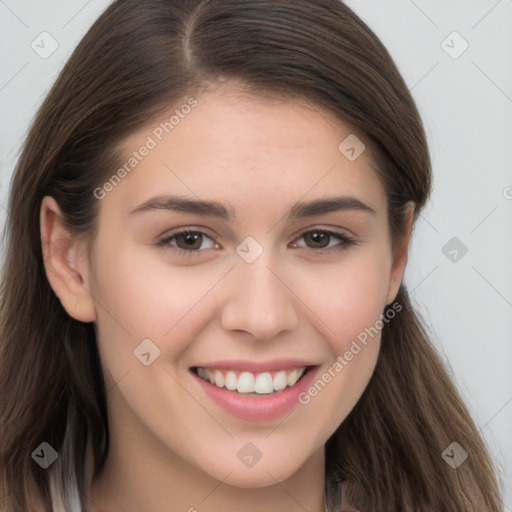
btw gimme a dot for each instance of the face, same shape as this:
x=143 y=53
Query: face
x=277 y=276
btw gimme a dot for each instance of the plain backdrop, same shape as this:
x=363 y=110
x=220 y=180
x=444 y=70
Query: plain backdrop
x=455 y=56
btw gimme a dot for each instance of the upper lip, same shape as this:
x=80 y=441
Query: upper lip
x=256 y=366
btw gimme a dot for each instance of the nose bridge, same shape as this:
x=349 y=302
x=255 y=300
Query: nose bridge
x=258 y=301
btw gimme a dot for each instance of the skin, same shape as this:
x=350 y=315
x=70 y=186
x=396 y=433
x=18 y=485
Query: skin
x=171 y=446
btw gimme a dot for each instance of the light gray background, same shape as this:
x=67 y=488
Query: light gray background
x=466 y=105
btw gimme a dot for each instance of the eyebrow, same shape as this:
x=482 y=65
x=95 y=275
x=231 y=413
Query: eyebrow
x=216 y=209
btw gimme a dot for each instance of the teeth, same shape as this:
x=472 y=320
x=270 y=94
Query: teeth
x=280 y=381
x=231 y=381
x=219 y=378
x=203 y=374
x=245 y=383
x=264 y=384
x=249 y=383
x=292 y=378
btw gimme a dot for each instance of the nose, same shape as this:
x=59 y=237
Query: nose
x=259 y=301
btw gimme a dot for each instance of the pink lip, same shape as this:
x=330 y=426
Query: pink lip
x=253 y=408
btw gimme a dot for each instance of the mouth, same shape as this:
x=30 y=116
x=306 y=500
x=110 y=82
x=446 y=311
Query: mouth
x=255 y=391
x=266 y=383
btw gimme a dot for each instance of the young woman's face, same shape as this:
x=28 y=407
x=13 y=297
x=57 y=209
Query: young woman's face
x=267 y=283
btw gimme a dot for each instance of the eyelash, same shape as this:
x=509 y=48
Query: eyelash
x=345 y=240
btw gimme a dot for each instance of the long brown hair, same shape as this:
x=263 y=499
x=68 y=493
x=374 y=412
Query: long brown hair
x=138 y=59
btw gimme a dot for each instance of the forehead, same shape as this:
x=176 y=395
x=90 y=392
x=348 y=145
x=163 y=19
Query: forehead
x=249 y=151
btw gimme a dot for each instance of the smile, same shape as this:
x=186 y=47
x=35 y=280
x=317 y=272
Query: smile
x=255 y=390
x=252 y=384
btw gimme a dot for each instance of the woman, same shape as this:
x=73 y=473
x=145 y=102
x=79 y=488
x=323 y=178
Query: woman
x=202 y=303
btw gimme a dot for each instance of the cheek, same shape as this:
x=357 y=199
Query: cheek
x=156 y=301
x=350 y=307
x=348 y=297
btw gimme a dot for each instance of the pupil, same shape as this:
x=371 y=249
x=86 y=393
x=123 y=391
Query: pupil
x=318 y=237
x=191 y=239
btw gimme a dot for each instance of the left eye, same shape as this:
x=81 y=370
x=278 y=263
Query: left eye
x=187 y=240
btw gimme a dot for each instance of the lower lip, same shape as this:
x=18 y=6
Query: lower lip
x=254 y=408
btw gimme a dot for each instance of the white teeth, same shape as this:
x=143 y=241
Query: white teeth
x=263 y=383
x=250 y=383
x=245 y=383
x=231 y=381
x=292 y=378
x=280 y=381
x=219 y=378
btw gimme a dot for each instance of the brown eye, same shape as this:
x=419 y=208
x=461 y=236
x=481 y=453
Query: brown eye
x=319 y=239
x=322 y=240
x=187 y=241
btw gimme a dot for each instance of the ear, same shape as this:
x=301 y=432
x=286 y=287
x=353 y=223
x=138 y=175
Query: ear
x=66 y=263
x=400 y=255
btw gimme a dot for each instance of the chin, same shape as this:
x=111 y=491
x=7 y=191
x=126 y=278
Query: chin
x=246 y=479
x=260 y=475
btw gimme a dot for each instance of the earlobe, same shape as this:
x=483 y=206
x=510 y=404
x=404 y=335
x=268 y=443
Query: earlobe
x=65 y=264
x=400 y=255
